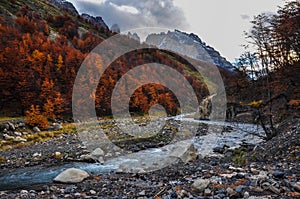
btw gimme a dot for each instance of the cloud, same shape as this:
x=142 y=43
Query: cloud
x=135 y=13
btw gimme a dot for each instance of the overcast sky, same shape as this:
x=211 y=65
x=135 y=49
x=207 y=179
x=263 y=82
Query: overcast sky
x=219 y=23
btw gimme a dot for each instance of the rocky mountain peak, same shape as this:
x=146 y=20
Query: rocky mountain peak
x=65 y=4
x=98 y=21
x=190 y=45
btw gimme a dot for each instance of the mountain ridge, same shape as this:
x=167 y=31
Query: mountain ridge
x=190 y=45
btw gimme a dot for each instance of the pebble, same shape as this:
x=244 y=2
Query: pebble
x=93 y=192
x=18 y=133
x=296 y=186
x=278 y=174
x=207 y=192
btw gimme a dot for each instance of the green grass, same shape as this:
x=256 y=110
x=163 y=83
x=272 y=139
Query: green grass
x=7 y=118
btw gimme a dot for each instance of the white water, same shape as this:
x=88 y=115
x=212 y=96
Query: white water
x=146 y=160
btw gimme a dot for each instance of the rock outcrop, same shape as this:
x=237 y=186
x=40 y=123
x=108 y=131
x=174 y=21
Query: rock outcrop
x=97 y=21
x=190 y=45
x=66 y=5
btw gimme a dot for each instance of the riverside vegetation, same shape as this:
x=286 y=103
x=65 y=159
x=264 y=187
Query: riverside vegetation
x=44 y=43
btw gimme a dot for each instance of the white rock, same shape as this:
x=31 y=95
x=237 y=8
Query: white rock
x=200 y=184
x=71 y=175
x=37 y=154
x=18 y=133
x=8 y=137
x=57 y=126
x=20 y=139
x=36 y=129
x=97 y=153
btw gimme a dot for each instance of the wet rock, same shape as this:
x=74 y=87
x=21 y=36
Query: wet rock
x=71 y=175
x=200 y=185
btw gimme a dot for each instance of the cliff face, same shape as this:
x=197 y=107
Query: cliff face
x=98 y=21
x=66 y=5
x=189 y=45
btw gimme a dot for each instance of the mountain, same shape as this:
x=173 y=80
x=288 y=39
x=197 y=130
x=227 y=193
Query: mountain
x=44 y=42
x=65 y=4
x=190 y=45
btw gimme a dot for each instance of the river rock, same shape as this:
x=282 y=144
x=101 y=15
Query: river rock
x=71 y=175
x=57 y=126
x=278 y=174
x=296 y=186
x=231 y=192
x=11 y=126
x=8 y=137
x=36 y=129
x=95 y=156
x=18 y=133
x=21 y=125
x=200 y=185
x=20 y=139
x=185 y=151
x=5 y=126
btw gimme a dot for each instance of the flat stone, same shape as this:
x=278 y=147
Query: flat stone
x=71 y=175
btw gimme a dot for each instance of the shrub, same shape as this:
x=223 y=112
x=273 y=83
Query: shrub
x=35 y=118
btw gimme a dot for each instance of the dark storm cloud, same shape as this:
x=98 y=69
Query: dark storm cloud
x=135 y=13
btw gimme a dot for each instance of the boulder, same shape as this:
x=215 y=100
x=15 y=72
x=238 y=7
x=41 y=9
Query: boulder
x=185 y=151
x=71 y=175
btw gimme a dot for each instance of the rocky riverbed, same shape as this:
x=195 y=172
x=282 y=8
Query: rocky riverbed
x=266 y=170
